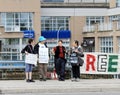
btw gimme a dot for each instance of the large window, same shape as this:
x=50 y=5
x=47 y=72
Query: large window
x=52 y=0
x=91 y=20
x=11 y=48
x=54 y=23
x=117 y=3
x=115 y=18
x=15 y=22
x=106 y=44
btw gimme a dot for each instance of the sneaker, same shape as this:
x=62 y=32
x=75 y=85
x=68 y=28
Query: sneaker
x=61 y=80
x=27 y=80
x=31 y=80
x=41 y=79
x=77 y=79
x=44 y=79
x=73 y=79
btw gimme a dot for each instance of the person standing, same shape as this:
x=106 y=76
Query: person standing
x=28 y=69
x=59 y=54
x=42 y=67
x=77 y=49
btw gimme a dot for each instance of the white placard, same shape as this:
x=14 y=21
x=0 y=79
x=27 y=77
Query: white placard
x=31 y=59
x=43 y=55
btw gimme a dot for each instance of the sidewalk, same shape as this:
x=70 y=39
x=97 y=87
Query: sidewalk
x=55 y=86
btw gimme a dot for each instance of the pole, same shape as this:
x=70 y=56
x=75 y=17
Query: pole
x=58 y=32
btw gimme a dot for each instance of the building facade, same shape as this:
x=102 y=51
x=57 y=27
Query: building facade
x=19 y=20
x=95 y=23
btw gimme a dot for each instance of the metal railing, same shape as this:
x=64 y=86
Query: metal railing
x=87 y=1
x=14 y=59
x=105 y=27
x=10 y=56
x=76 y=1
x=90 y=28
x=101 y=27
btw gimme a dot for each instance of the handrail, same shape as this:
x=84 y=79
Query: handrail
x=11 y=59
x=74 y=1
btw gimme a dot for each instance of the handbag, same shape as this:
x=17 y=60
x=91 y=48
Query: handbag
x=80 y=61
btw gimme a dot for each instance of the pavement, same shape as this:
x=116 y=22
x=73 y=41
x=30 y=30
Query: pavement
x=55 y=86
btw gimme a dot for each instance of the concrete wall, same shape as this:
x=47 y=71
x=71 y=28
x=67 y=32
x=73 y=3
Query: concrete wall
x=112 y=3
x=76 y=26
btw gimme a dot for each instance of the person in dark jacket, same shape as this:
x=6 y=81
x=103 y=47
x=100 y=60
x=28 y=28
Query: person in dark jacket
x=76 y=48
x=42 y=67
x=59 y=54
x=28 y=69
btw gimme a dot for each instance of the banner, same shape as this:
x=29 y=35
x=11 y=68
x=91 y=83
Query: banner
x=31 y=59
x=101 y=63
x=43 y=55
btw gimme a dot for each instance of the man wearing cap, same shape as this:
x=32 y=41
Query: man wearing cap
x=42 y=67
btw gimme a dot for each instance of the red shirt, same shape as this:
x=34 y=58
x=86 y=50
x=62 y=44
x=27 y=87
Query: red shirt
x=61 y=53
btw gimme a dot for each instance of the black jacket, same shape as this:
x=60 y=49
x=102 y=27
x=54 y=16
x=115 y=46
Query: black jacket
x=36 y=48
x=28 y=48
x=57 y=52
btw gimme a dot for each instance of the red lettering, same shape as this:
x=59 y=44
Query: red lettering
x=90 y=62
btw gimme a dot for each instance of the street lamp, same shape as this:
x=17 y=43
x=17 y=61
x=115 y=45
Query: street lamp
x=58 y=32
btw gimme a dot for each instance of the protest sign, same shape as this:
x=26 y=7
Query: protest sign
x=31 y=59
x=43 y=55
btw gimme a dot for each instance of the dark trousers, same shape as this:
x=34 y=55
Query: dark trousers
x=60 y=68
x=76 y=71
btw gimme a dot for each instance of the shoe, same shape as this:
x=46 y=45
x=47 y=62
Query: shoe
x=27 y=80
x=77 y=79
x=73 y=79
x=44 y=79
x=40 y=79
x=31 y=80
x=61 y=79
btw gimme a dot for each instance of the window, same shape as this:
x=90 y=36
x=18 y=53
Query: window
x=112 y=18
x=91 y=20
x=17 y=21
x=106 y=44
x=53 y=0
x=53 y=23
x=117 y=3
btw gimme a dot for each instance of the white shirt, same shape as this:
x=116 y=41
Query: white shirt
x=41 y=45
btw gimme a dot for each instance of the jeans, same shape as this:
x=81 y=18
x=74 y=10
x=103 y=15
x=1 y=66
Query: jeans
x=60 y=68
x=28 y=67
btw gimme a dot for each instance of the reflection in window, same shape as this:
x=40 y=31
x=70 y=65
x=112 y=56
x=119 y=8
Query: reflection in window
x=17 y=21
x=52 y=0
x=117 y=3
x=53 y=23
x=91 y=20
x=106 y=44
